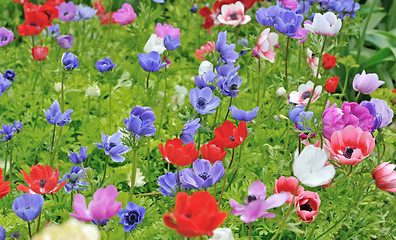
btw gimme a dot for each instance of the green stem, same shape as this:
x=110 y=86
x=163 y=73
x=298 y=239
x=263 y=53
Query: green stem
x=346 y=82
x=259 y=81
x=133 y=175
x=178 y=178
x=149 y=168
x=250 y=231
x=317 y=73
x=105 y=168
x=6 y=162
x=38 y=222
x=52 y=145
x=363 y=36
x=30 y=230
x=63 y=92
x=228 y=110
x=147 y=81
x=287 y=54
x=71 y=200
x=10 y=171
x=110 y=105
x=148 y=194
x=225 y=177
x=357 y=96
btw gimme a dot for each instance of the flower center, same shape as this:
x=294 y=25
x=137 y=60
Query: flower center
x=204 y=175
x=111 y=145
x=73 y=178
x=234 y=16
x=201 y=102
x=232 y=139
x=132 y=217
x=348 y=152
x=306 y=95
x=43 y=182
x=64 y=14
x=4 y=38
x=34 y=25
x=234 y=87
x=306 y=207
x=251 y=198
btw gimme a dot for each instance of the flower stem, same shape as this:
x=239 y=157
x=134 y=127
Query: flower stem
x=346 y=81
x=148 y=194
x=225 y=177
x=363 y=36
x=10 y=170
x=178 y=179
x=149 y=168
x=30 y=230
x=52 y=145
x=63 y=92
x=357 y=96
x=105 y=167
x=286 y=57
x=317 y=73
x=110 y=105
x=147 y=82
x=228 y=110
x=259 y=81
x=133 y=175
x=250 y=231
x=71 y=200
x=6 y=161
x=236 y=35
x=38 y=222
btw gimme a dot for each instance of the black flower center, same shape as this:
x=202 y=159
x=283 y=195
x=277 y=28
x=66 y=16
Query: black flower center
x=204 y=175
x=64 y=14
x=73 y=178
x=306 y=95
x=132 y=217
x=306 y=207
x=234 y=16
x=4 y=38
x=251 y=198
x=43 y=182
x=232 y=139
x=234 y=87
x=348 y=152
x=111 y=145
x=201 y=102
x=34 y=25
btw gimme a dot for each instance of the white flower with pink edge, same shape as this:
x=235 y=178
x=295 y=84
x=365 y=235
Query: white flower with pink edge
x=312 y=62
x=265 y=45
x=301 y=97
x=233 y=14
x=327 y=24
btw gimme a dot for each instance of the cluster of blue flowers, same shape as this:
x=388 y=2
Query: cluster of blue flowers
x=6 y=80
x=8 y=131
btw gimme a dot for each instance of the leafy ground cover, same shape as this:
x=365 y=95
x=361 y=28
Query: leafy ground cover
x=197 y=119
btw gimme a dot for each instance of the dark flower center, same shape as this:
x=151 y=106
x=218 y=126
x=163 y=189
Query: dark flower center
x=64 y=14
x=34 y=25
x=232 y=139
x=348 y=152
x=234 y=87
x=132 y=217
x=234 y=16
x=73 y=178
x=306 y=95
x=204 y=175
x=201 y=102
x=43 y=182
x=251 y=198
x=111 y=145
x=306 y=207
x=4 y=38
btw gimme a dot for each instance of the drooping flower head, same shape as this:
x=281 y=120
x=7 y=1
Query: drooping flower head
x=102 y=207
x=105 y=65
x=385 y=177
x=81 y=157
x=233 y=14
x=202 y=175
x=189 y=130
x=131 y=216
x=307 y=204
x=54 y=115
x=140 y=121
x=113 y=146
x=203 y=100
x=265 y=45
x=312 y=62
x=310 y=168
x=366 y=83
x=42 y=180
x=174 y=152
x=125 y=15
x=74 y=179
x=301 y=97
x=242 y=115
x=28 y=207
x=351 y=145
x=6 y=36
x=195 y=215
x=256 y=205
x=151 y=62
x=231 y=135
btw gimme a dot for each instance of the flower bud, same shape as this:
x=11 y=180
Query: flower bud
x=92 y=91
x=58 y=87
x=281 y=92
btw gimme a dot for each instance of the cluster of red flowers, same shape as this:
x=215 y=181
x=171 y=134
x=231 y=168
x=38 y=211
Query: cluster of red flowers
x=38 y=17
x=329 y=62
x=226 y=136
x=104 y=17
x=211 y=16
